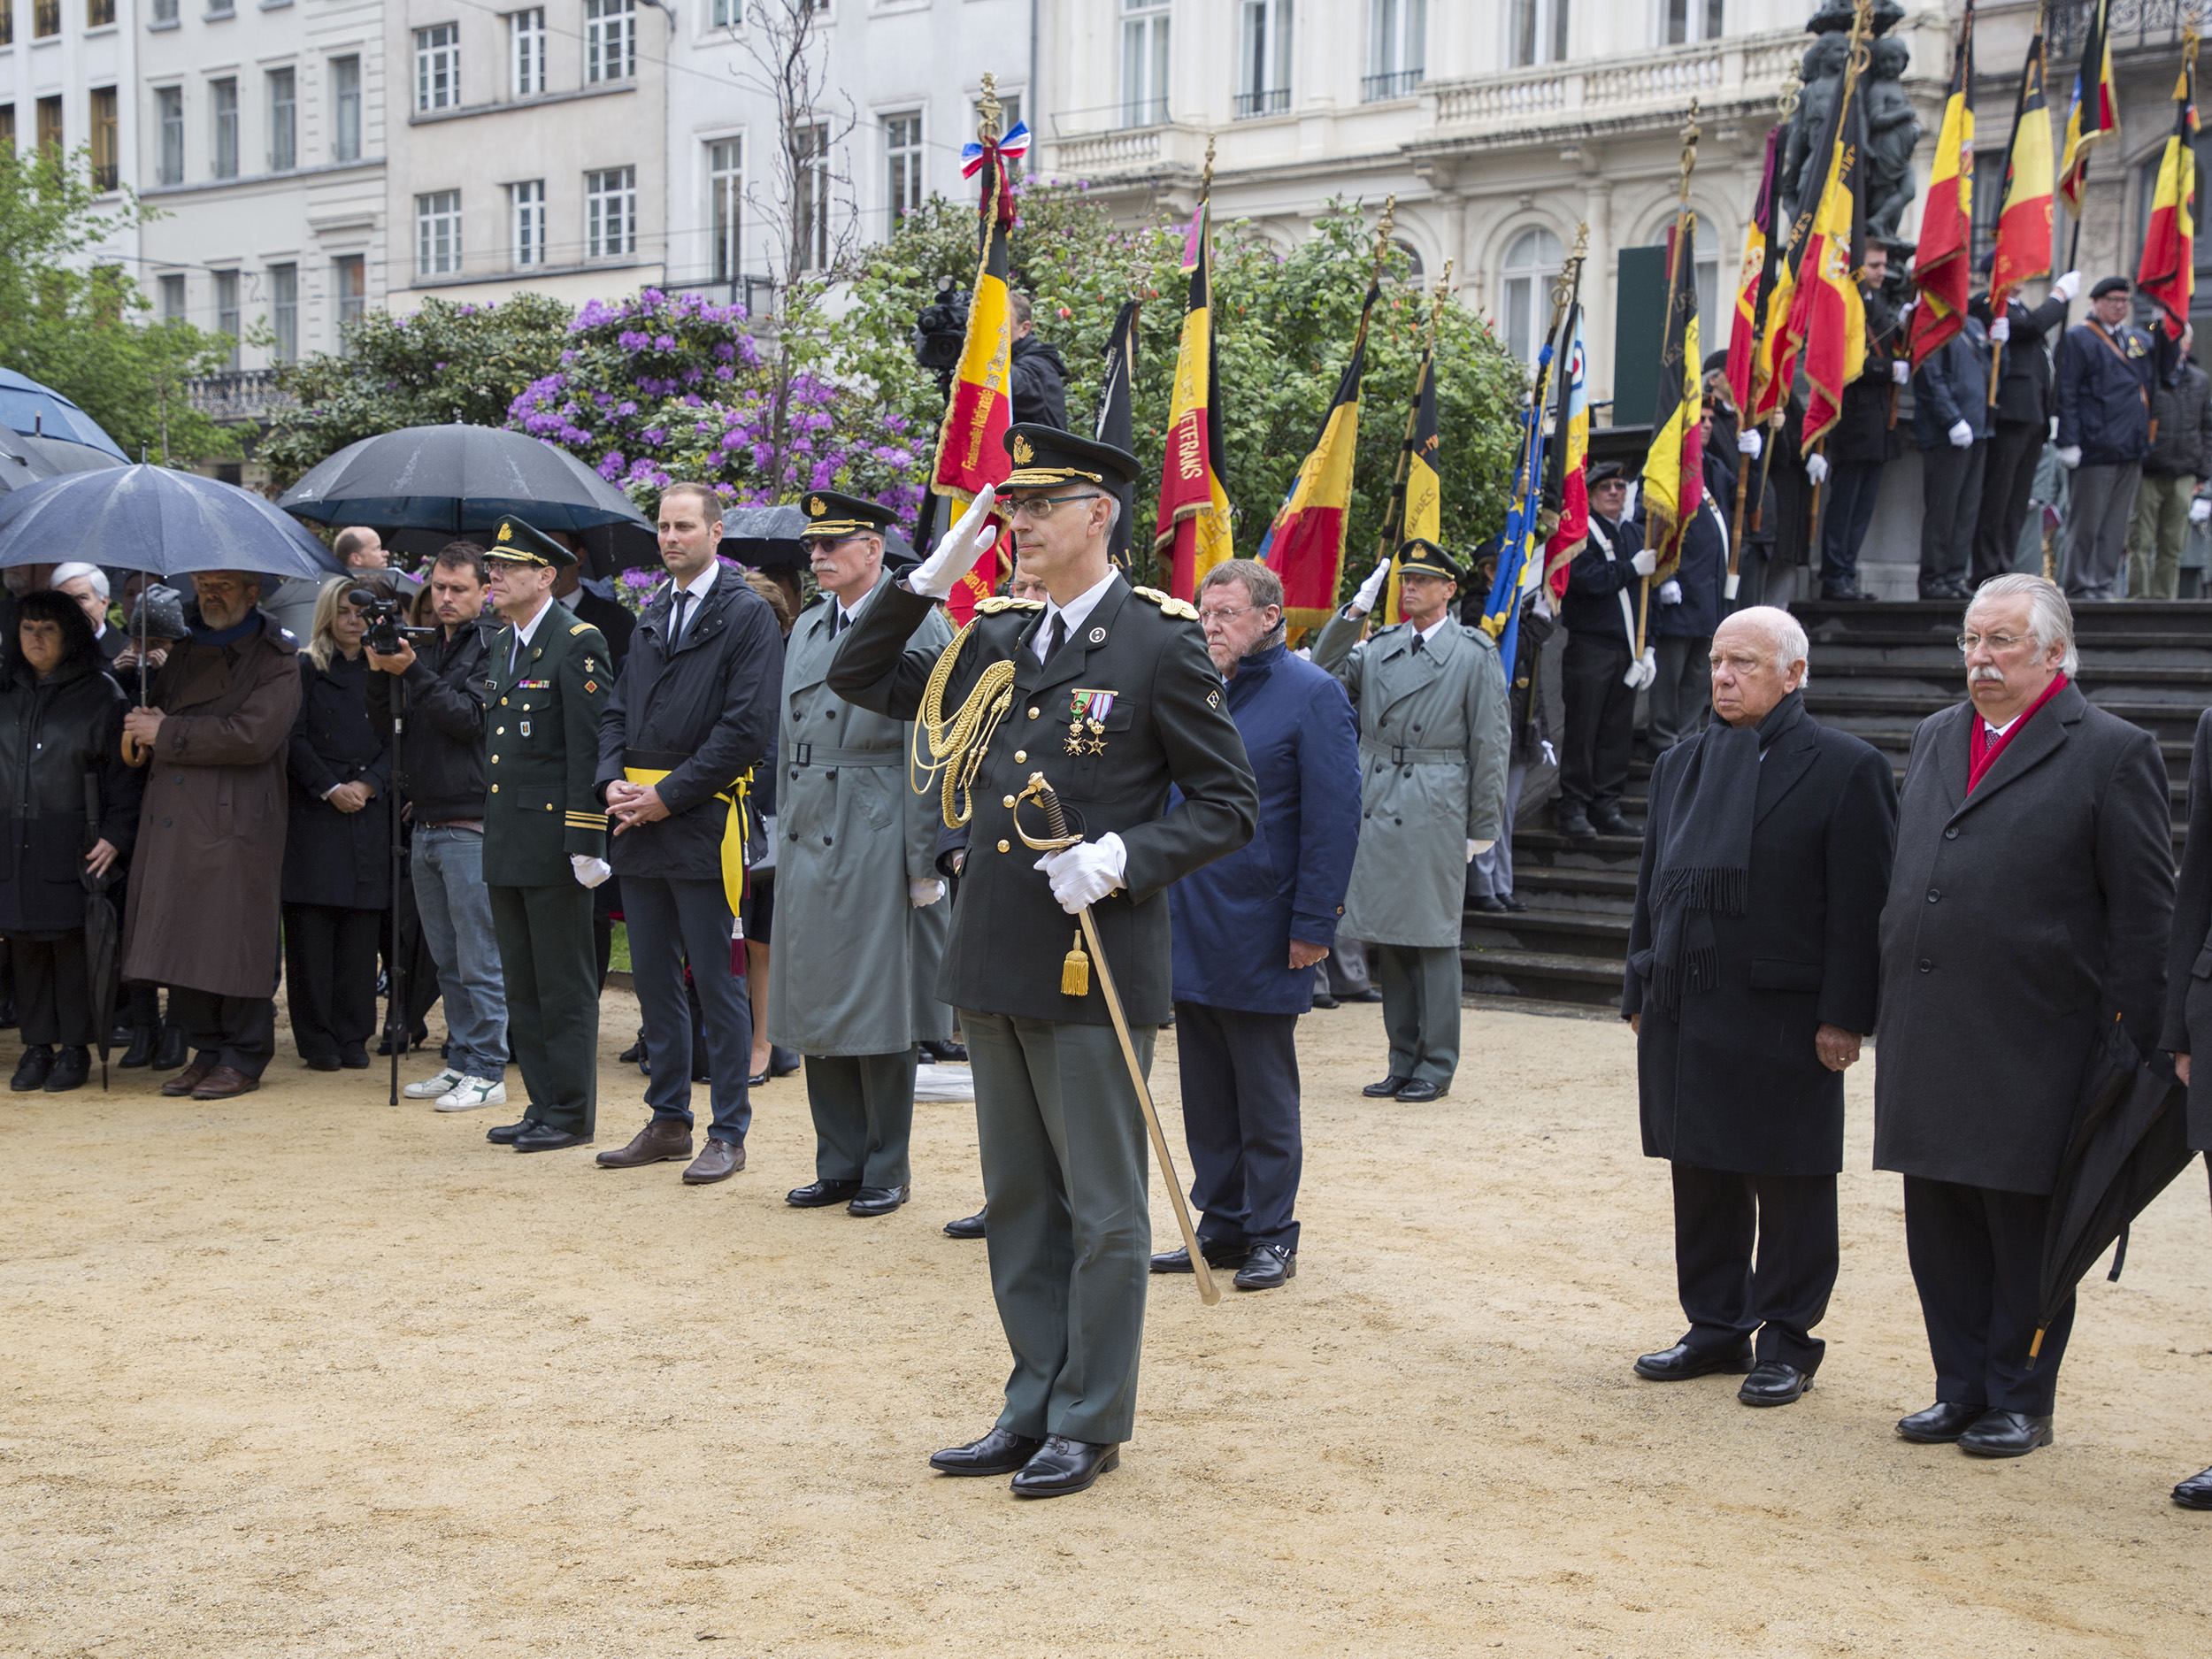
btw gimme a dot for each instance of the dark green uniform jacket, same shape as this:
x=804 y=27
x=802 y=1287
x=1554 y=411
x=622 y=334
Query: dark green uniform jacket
x=1168 y=722
x=542 y=750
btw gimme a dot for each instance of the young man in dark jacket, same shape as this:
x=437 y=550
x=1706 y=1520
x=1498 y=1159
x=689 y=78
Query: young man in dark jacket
x=1040 y=391
x=1862 y=442
x=2022 y=339
x=442 y=766
x=1951 y=423
x=2104 y=433
x=2179 y=462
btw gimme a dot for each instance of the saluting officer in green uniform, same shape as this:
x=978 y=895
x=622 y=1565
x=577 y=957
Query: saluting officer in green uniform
x=1107 y=691
x=545 y=680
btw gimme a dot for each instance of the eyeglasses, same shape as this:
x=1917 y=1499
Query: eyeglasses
x=1040 y=507
x=1996 y=641
x=1222 y=614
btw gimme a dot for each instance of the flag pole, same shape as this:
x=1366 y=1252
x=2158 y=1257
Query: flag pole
x=1690 y=135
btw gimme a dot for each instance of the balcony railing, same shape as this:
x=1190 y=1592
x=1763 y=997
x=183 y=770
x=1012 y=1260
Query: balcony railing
x=1401 y=83
x=237 y=394
x=1270 y=102
x=1667 y=79
x=2129 y=24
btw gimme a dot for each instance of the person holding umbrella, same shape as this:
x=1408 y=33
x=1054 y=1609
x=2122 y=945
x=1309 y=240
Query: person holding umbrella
x=74 y=815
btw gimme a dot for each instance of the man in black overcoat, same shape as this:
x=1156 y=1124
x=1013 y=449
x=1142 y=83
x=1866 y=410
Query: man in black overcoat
x=2029 y=906
x=1751 y=981
x=2188 y=1024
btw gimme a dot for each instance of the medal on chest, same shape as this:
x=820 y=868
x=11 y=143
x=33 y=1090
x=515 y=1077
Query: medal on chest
x=1087 y=727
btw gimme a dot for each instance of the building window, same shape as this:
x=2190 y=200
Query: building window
x=7 y=125
x=350 y=276
x=724 y=14
x=169 y=115
x=49 y=131
x=104 y=159
x=809 y=211
x=1692 y=20
x=222 y=97
x=1263 y=59
x=1531 y=264
x=284 y=310
x=227 y=310
x=7 y=25
x=45 y=18
x=1143 y=63
x=610 y=213
x=438 y=67
x=903 y=163
x=438 y=233
x=345 y=96
x=165 y=13
x=525 y=36
x=528 y=200
x=726 y=195
x=98 y=13
x=173 y=297
x=1540 y=32
x=610 y=39
x=284 y=120
x=1397 y=49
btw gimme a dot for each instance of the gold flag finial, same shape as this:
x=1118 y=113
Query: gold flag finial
x=1206 y=179
x=1787 y=102
x=1690 y=132
x=989 y=110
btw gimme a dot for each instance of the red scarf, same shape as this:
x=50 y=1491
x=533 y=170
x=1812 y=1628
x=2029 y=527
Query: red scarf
x=1983 y=749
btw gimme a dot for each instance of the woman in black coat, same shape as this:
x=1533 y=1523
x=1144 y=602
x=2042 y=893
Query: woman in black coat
x=337 y=852
x=61 y=725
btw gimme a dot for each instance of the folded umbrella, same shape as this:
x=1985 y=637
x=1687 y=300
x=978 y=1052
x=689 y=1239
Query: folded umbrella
x=456 y=479
x=156 y=519
x=100 y=930
x=27 y=406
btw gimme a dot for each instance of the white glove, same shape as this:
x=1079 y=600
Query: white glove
x=1670 y=593
x=1900 y=371
x=2200 y=510
x=1747 y=442
x=2000 y=329
x=590 y=871
x=1085 y=873
x=1370 y=590
x=2067 y=286
x=1644 y=563
x=2070 y=456
x=925 y=892
x=1473 y=848
x=1817 y=468
x=1644 y=672
x=1961 y=434
x=967 y=540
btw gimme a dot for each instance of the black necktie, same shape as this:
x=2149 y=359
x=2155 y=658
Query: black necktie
x=1059 y=636
x=841 y=623
x=676 y=618
x=1416 y=645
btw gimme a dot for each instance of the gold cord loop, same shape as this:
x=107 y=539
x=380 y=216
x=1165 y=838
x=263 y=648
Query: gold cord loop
x=956 y=747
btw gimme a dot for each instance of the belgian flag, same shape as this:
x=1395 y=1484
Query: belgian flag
x=2024 y=216
x=1193 y=517
x=1775 y=367
x=2167 y=273
x=1305 y=544
x=2094 y=114
x=1674 y=467
x=1942 y=271
x=1755 y=282
x=1828 y=313
x=1114 y=423
x=1422 y=510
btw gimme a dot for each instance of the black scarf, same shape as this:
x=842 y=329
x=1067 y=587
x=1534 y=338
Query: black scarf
x=1705 y=866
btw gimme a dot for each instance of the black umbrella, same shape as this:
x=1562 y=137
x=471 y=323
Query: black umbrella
x=456 y=479
x=100 y=930
x=155 y=518
x=49 y=456
x=2130 y=1138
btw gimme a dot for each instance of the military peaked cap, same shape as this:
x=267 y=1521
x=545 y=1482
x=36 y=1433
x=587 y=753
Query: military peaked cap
x=1421 y=556
x=519 y=543
x=1046 y=456
x=831 y=515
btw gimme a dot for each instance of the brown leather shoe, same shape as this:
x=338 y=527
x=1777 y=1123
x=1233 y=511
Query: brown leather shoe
x=224 y=1082
x=718 y=1160
x=187 y=1080
x=661 y=1139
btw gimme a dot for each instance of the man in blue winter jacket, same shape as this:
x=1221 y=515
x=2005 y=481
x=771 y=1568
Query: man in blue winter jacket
x=2104 y=432
x=1951 y=421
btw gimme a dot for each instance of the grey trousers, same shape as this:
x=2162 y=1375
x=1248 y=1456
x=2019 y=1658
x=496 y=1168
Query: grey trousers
x=2097 y=521
x=1064 y=1161
x=1683 y=691
x=1420 y=987
x=863 y=1116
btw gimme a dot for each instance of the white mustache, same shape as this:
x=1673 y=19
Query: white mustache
x=1976 y=676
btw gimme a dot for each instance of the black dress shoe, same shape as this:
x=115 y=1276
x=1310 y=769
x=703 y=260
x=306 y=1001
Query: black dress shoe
x=820 y=1195
x=2196 y=1491
x=1322 y=999
x=354 y=1056
x=1061 y=1465
x=968 y=1226
x=877 y=1200
x=1681 y=1361
x=1223 y=1256
x=507 y=1134
x=1512 y=903
x=1773 y=1382
x=632 y=1054
x=1609 y=821
x=1486 y=905
x=1387 y=1087
x=545 y=1138
x=2006 y=1434
x=1000 y=1452
x=1370 y=995
x=72 y=1067
x=169 y=1055
x=945 y=1053
x=321 y=1062
x=1269 y=1267
x=1941 y=1423
x=141 y=1053
x=31 y=1072
x=783 y=1062
x=1575 y=824
x=1419 y=1093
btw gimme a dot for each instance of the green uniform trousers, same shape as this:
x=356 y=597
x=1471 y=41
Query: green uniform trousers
x=552 y=971
x=1070 y=1237
x=1420 y=993
x=2157 y=530
x=863 y=1116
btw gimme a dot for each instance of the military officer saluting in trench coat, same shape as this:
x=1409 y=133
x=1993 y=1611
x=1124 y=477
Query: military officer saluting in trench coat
x=545 y=679
x=857 y=867
x=1434 y=739
x=1107 y=691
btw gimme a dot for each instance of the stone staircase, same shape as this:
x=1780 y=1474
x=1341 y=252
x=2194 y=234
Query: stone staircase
x=1877 y=671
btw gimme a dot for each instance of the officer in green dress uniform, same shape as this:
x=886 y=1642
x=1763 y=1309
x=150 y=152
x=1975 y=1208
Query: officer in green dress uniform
x=1106 y=690
x=545 y=679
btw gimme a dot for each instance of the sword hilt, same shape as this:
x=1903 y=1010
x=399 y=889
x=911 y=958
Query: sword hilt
x=1058 y=834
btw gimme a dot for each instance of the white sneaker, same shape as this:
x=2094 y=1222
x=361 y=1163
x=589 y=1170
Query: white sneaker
x=471 y=1092
x=433 y=1088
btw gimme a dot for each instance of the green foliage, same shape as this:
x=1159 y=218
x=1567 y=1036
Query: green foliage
x=81 y=328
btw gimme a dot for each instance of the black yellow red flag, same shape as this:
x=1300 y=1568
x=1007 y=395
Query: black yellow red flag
x=1305 y=544
x=1754 y=279
x=2023 y=214
x=1116 y=424
x=2094 y=114
x=2168 y=275
x=1674 y=466
x=1193 y=518
x=1943 y=265
x=1828 y=312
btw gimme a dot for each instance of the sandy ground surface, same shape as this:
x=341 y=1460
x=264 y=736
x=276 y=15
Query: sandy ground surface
x=306 y=1374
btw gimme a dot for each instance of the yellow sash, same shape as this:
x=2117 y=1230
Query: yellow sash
x=733 y=832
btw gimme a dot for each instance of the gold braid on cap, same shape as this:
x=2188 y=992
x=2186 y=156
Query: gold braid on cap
x=957 y=746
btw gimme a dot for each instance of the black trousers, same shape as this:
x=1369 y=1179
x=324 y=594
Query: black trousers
x=330 y=977
x=1846 y=509
x=1976 y=1256
x=53 y=1002
x=1600 y=721
x=2008 y=476
x=239 y=1032
x=1241 y=1119
x=545 y=959
x=1950 y=503
x=1718 y=1213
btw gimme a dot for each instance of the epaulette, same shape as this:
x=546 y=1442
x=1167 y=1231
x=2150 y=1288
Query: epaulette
x=997 y=603
x=1172 y=606
x=581 y=627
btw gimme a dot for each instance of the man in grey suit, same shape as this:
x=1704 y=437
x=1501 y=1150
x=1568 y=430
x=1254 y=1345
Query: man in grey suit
x=2029 y=907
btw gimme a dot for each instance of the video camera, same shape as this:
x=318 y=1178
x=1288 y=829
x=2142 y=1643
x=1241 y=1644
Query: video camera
x=941 y=330
x=384 y=616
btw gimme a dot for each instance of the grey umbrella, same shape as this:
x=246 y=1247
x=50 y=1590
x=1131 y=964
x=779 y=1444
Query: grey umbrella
x=25 y=457
x=456 y=479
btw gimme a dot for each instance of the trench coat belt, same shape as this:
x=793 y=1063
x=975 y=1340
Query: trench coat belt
x=733 y=830
x=819 y=755
x=1398 y=755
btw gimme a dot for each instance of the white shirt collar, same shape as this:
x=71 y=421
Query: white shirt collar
x=1075 y=613
x=1995 y=732
x=699 y=585
x=849 y=611
x=1431 y=632
x=524 y=633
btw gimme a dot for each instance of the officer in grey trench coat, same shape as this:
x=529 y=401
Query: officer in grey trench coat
x=1433 y=744
x=857 y=886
